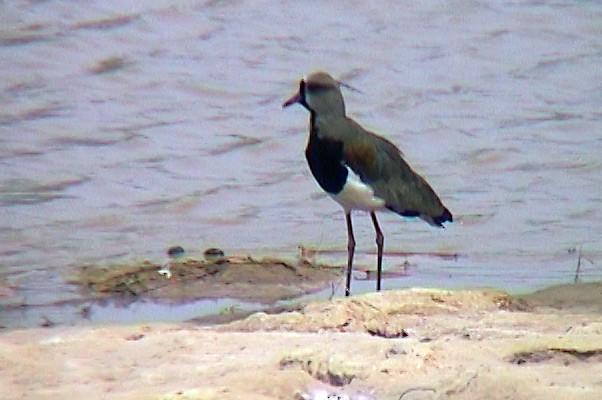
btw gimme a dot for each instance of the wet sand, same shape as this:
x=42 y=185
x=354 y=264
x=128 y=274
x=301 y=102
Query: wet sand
x=246 y=278
x=406 y=344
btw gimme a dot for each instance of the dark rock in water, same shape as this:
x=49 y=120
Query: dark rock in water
x=176 y=251
x=214 y=255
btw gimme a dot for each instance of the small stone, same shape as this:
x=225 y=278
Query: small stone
x=176 y=252
x=165 y=271
x=214 y=255
x=395 y=350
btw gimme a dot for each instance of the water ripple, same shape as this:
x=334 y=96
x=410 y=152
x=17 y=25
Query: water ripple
x=26 y=192
x=117 y=21
x=34 y=113
x=240 y=141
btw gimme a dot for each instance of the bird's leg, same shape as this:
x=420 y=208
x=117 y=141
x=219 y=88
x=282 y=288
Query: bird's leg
x=350 y=250
x=380 y=240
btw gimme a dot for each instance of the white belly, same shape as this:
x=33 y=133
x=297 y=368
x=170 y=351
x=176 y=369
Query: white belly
x=356 y=195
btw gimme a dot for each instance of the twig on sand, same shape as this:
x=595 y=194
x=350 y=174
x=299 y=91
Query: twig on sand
x=416 y=389
x=579 y=258
x=334 y=286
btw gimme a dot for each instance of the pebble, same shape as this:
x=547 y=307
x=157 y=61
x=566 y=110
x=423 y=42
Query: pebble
x=214 y=255
x=176 y=252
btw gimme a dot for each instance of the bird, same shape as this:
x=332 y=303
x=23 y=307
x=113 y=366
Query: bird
x=359 y=169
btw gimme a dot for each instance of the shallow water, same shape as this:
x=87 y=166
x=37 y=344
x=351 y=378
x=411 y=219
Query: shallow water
x=128 y=127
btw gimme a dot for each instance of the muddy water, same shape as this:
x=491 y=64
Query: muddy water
x=127 y=127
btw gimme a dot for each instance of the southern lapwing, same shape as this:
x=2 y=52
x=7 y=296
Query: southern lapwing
x=359 y=169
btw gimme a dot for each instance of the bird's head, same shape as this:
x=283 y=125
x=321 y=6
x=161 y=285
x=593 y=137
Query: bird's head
x=319 y=93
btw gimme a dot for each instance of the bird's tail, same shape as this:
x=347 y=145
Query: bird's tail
x=446 y=216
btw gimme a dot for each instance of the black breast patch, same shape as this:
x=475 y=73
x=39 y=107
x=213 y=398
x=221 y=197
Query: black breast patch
x=325 y=162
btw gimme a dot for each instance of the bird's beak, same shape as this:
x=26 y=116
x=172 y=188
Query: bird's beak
x=296 y=98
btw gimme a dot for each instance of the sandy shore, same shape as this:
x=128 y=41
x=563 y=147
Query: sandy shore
x=410 y=344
